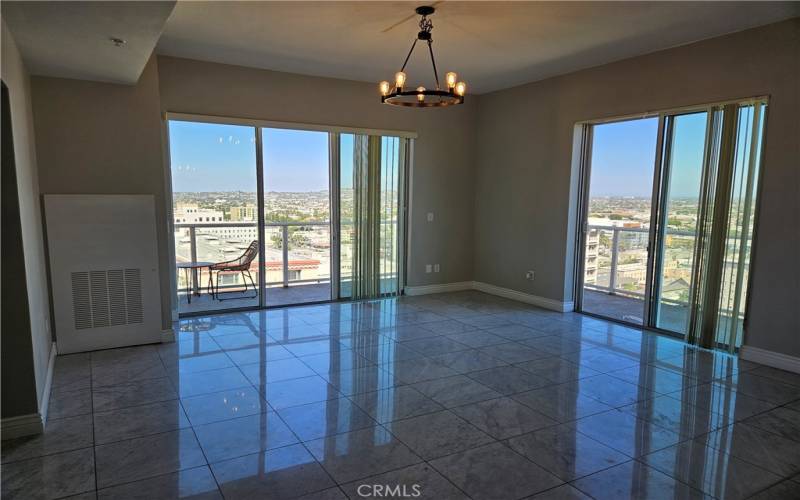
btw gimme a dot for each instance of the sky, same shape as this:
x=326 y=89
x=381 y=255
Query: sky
x=216 y=157
x=213 y=157
x=623 y=157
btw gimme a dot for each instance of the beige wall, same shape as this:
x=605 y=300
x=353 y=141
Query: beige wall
x=444 y=151
x=29 y=365
x=102 y=138
x=105 y=138
x=524 y=212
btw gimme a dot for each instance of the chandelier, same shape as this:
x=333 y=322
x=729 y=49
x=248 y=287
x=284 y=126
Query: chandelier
x=421 y=97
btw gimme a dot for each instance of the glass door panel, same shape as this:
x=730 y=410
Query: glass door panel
x=618 y=218
x=684 y=162
x=297 y=216
x=214 y=174
x=389 y=214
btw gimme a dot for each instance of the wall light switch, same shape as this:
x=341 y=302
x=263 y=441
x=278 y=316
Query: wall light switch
x=529 y=275
x=428 y=268
x=430 y=216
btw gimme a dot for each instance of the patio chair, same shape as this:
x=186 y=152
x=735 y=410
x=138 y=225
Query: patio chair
x=240 y=265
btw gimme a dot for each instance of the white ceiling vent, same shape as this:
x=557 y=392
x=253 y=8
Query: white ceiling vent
x=107 y=298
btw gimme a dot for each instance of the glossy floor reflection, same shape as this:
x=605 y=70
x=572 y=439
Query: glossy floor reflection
x=460 y=395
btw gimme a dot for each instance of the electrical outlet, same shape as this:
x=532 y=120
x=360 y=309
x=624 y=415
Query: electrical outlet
x=436 y=268
x=428 y=268
x=430 y=216
x=529 y=275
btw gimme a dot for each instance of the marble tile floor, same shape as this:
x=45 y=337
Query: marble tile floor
x=449 y=396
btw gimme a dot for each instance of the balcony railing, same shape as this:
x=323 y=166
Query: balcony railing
x=634 y=239
x=224 y=241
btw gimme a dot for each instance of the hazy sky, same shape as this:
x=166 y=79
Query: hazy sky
x=211 y=157
x=623 y=156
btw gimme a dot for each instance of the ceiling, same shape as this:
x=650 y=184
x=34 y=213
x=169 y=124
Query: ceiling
x=72 y=39
x=492 y=45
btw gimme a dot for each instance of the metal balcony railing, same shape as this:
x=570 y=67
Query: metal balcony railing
x=617 y=233
x=181 y=230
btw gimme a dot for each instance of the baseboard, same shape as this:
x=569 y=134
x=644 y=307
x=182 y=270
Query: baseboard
x=544 y=302
x=770 y=358
x=443 y=288
x=48 y=384
x=23 y=425
x=167 y=335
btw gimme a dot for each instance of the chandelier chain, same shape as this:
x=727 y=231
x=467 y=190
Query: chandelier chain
x=410 y=51
x=433 y=62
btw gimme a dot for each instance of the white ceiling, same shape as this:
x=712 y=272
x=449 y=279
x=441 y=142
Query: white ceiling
x=71 y=39
x=492 y=45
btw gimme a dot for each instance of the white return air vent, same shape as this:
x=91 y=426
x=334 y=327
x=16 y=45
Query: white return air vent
x=106 y=298
x=104 y=270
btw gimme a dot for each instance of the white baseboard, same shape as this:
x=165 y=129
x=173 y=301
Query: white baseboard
x=770 y=358
x=544 y=302
x=22 y=425
x=48 y=384
x=167 y=335
x=443 y=288
x=527 y=298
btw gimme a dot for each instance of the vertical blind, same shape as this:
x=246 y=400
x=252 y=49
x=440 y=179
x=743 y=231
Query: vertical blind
x=373 y=230
x=725 y=224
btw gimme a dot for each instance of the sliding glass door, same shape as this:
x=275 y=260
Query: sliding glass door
x=684 y=268
x=684 y=162
x=619 y=204
x=214 y=206
x=268 y=216
x=297 y=216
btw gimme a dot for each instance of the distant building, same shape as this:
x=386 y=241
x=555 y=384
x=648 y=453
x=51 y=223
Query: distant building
x=245 y=213
x=189 y=214
x=592 y=252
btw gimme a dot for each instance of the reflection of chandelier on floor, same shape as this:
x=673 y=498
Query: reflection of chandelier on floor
x=422 y=97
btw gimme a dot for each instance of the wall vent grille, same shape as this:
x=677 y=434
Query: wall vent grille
x=107 y=298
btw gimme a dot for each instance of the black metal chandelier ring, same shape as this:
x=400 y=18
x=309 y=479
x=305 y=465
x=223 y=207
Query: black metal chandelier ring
x=422 y=97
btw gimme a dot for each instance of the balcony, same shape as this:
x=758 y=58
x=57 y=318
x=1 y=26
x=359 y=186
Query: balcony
x=297 y=264
x=615 y=275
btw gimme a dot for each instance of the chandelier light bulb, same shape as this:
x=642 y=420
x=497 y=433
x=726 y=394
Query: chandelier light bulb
x=451 y=79
x=420 y=97
x=461 y=88
x=399 y=79
x=384 y=86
